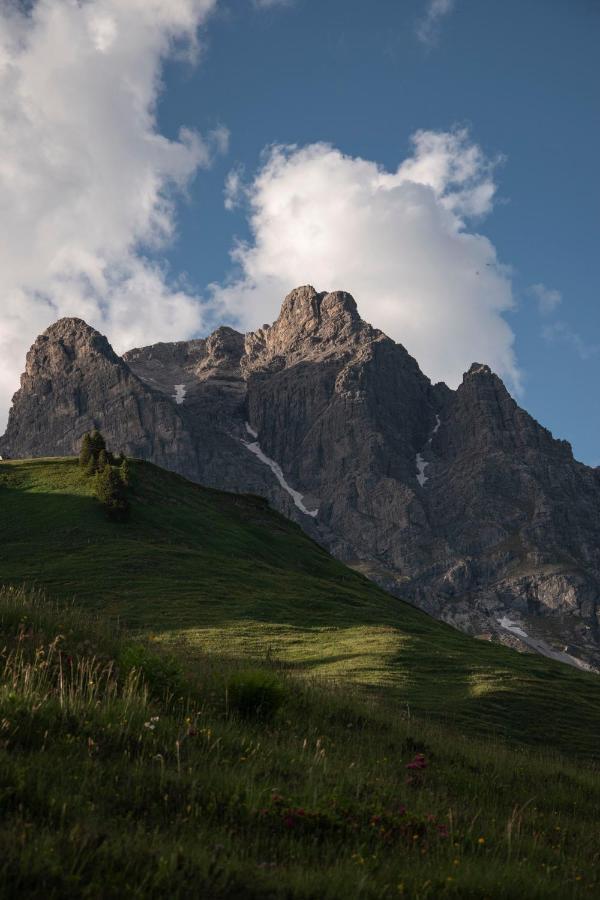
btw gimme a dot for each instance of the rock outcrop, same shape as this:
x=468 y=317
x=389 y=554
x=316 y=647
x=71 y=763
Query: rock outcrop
x=456 y=500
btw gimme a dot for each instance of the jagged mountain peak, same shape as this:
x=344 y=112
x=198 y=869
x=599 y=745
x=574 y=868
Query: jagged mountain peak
x=477 y=369
x=305 y=309
x=482 y=399
x=72 y=331
x=307 y=302
x=310 y=323
x=67 y=325
x=481 y=382
x=67 y=342
x=225 y=342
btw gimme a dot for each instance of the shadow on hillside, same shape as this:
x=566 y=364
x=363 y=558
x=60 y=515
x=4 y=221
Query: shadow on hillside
x=38 y=526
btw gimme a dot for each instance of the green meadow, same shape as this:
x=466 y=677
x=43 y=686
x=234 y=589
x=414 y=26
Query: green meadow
x=141 y=755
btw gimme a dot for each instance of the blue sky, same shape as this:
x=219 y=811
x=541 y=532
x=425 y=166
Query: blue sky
x=123 y=217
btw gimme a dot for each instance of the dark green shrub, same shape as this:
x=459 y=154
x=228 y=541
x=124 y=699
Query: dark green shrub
x=255 y=693
x=112 y=493
x=85 y=454
x=93 y=455
x=97 y=442
x=162 y=673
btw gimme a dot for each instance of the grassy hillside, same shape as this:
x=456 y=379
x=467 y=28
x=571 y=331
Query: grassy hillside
x=208 y=572
x=189 y=751
x=119 y=779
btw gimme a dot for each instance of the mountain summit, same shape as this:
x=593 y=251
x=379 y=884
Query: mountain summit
x=456 y=500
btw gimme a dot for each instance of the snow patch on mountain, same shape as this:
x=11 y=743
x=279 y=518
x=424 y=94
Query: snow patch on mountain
x=511 y=626
x=297 y=497
x=421 y=466
x=420 y=461
x=542 y=647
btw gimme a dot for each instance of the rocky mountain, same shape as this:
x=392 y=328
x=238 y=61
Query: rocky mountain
x=456 y=500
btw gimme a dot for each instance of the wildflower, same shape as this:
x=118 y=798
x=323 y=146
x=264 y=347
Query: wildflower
x=289 y=821
x=418 y=762
x=481 y=841
x=443 y=831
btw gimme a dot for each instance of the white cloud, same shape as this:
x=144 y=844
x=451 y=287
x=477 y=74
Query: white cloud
x=561 y=332
x=428 y=28
x=399 y=241
x=547 y=298
x=86 y=180
x=234 y=187
x=267 y=4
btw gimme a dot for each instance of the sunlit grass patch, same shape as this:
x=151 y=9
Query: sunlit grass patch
x=482 y=683
x=362 y=655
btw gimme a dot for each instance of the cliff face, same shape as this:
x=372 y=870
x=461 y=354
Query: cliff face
x=457 y=500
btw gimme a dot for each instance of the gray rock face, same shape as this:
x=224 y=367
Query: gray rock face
x=456 y=500
x=74 y=382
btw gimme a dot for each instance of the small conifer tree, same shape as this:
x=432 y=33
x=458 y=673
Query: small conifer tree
x=85 y=454
x=97 y=443
x=94 y=455
x=111 y=492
